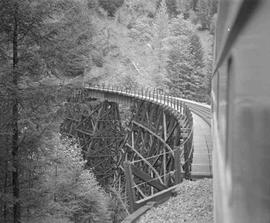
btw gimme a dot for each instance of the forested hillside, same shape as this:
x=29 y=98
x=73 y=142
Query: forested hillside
x=155 y=44
x=46 y=48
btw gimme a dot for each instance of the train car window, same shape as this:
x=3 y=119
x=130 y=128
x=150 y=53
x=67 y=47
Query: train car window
x=223 y=102
x=230 y=94
x=215 y=94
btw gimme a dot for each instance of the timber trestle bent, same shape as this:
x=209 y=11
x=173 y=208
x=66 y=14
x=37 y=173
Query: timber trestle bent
x=150 y=155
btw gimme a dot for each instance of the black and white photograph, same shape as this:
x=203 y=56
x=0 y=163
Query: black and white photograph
x=134 y=111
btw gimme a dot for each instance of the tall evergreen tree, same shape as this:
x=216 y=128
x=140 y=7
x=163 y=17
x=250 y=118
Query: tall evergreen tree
x=160 y=33
x=204 y=10
x=196 y=53
x=179 y=67
x=185 y=61
x=30 y=46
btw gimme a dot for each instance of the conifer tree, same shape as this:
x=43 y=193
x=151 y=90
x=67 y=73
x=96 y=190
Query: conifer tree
x=197 y=64
x=204 y=10
x=160 y=33
x=185 y=61
x=31 y=47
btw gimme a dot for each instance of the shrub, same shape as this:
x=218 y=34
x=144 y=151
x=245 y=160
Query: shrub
x=68 y=190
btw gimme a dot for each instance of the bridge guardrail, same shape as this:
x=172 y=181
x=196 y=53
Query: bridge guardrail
x=155 y=95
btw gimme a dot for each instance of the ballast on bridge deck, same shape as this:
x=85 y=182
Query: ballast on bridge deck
x=202 y=156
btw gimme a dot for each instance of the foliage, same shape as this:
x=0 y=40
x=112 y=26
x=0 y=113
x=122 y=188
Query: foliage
x=196 y=52
x=71 y=53
x=179 y=67
x=118 y=205
x=33 y=45
x=181 y=27
x=160 y=23
x=171 y=7
x=147 y=44
x=186 y=6
x=136 y=50
x=73 y=188
x=160 y=33
x=141 y=7
x=185 y=61
x=208 y=75
x=63 y=189
x=133 y=53
x=50 y=41
x=204 y=14
x=111 y=6
x=205 y=11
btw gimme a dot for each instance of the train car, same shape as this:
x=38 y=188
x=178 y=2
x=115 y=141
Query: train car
x=241 y=118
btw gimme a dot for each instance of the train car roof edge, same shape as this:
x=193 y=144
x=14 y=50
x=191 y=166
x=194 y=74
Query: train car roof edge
x=237 y=14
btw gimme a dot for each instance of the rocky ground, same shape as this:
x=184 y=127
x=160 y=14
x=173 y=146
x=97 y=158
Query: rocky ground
x=193 y=204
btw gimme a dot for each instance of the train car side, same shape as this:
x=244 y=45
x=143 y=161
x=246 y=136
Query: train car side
x=241 y=105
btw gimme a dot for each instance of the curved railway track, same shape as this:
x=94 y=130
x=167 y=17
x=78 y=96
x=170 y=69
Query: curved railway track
x=203 y=112
x=200 y=109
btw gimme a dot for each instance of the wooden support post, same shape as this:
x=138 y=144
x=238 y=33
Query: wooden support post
x=177 y=164
x=164 y=98
x=181 y=108
x=132 y=138
x=129 y=186
x=164 y=165
x=152 y=188
x=164 y=127
x=177 y=156
x=164 y=148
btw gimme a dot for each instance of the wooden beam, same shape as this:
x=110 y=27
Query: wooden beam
x=158 y=197
x=129 y=186
x=177 y=164
x=146 y=162
x=154 y=134
x=148 y=179
x=138 y=213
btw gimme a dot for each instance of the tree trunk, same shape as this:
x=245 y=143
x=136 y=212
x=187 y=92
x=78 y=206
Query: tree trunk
x=5 y=211
x=15 y=133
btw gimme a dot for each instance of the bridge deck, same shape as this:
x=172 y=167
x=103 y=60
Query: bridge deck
x=202 y=157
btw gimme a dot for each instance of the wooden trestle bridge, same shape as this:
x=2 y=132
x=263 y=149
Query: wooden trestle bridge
x=155 y=150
